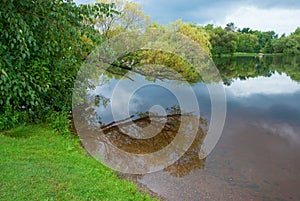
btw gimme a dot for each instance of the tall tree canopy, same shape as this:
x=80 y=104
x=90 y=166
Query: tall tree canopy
x=223 y=41
x=194 y=32
x=131 y=17
x=41 y=44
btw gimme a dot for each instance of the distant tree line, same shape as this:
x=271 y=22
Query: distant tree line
x=229 y=40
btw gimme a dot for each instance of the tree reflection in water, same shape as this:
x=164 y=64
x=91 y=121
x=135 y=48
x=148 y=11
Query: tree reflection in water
x=188 y=162
x=115 y=134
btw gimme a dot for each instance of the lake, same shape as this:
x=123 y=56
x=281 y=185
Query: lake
x=258 y=154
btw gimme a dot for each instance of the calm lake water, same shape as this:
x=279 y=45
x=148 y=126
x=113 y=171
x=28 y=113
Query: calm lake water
x=258 y=154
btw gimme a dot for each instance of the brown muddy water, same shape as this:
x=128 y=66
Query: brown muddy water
x=258 y=154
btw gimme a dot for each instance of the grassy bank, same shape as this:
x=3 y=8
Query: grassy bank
x=38 y=164
x=243 y=54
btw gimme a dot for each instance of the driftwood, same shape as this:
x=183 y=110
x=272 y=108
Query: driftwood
x=124 y=122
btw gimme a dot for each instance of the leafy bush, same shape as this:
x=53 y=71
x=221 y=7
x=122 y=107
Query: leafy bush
x=42 y=46
x=60 y=122
x=10 y=118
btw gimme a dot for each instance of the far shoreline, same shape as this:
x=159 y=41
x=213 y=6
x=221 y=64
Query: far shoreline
x=245 y=54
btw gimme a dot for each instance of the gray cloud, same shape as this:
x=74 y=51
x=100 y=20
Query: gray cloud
x=201 y=11
x=194 y=11
x=217 y=11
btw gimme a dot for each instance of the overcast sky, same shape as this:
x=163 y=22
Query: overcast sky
x=283 y=16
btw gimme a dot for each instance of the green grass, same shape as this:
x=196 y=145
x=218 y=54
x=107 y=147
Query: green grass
x=38 y=164
x=244 y=54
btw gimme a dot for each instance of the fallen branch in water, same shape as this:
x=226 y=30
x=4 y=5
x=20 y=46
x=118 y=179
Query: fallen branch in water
x=124 y=122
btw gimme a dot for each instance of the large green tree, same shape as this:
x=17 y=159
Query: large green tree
x=293 y=43
x=194 y=32
x=223 y=40
x=289 y=45
x=247 y=42
x=41 y=44
x=265 y=40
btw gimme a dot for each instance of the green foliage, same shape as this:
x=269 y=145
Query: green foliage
x=247 y=43
x=223 y=41
x=10 y=118
x=60 y=122
x=245 y=30
x=292 y=45
x=289 y=45
x=41 y=51
x=228 y=41
x=279 y=45
x=265 y=40
x=194 y=32
x=161 y=65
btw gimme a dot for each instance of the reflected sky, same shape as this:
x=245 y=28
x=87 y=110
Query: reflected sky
x=143 y=94
x=279 y=84
x=277 y=96
x=271 y=104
